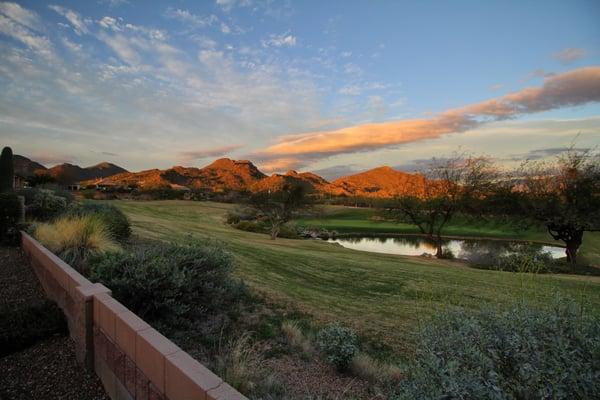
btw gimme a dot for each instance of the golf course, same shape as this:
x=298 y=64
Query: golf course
x=384 y=297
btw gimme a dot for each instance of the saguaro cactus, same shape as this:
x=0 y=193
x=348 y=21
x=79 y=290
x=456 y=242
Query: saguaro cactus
x=7 y=173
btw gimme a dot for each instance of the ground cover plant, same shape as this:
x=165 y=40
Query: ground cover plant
x=116 y=222
x=525 y=352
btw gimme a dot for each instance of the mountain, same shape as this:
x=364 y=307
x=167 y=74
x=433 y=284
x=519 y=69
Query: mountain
x=275 y=182
x=222 y=175
x=68 y=173
x=25 y=167
x=378 y=182
x=232 y=175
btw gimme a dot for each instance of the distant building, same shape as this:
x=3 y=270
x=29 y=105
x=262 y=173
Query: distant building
x=74 y=187
x=20 y=182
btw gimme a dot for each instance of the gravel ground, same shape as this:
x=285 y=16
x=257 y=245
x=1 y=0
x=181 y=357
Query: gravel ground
x=18 y=283
x=48 y=369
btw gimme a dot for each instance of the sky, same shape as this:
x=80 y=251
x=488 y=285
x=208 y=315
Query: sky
x=330 y=87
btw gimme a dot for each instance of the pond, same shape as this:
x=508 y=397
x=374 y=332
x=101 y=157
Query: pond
x=462 y=249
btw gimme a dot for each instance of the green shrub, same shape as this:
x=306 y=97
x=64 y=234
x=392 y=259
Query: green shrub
x=23 y=326
x=170 y=283
x=115 y=220
x=47 y=205
x=74 y=239
x=339 y=344
x=10 y=213
x=521 y=353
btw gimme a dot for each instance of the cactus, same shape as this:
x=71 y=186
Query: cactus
x=6 y=170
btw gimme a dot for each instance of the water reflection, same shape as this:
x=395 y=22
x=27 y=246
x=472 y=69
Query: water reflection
x=473 y=250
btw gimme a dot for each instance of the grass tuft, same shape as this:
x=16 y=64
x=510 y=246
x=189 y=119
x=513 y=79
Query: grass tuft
x=75 y=238
x=374 y=371
x=296 y=339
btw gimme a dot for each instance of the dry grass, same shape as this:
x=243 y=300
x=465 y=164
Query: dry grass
x=296 y=339
x=375 y=371
x=242 y=364
x=75 y=238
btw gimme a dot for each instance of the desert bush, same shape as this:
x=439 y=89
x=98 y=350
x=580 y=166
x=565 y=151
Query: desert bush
x=10 y=213
x=240 y=214
x=174 y=284
x=287 y=231
x=23 y=326
x=339 y=344
x=525 y=352
x=115 y=220
x=47 y=205
x=75 y=239
x=296 y=339
x=373 y=370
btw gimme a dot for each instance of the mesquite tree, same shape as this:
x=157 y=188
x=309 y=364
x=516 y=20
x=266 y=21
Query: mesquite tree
x=564 y=195
x=7 y=174
x=280 y=206
x=451 y=186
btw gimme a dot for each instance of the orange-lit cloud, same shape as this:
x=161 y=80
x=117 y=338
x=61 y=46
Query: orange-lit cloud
x=571 y=88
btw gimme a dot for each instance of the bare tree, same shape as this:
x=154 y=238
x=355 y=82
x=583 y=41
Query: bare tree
x=563 y=195
x=280 y=206
x=452 y=185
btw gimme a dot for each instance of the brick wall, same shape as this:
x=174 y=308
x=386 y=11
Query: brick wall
x=133 y=360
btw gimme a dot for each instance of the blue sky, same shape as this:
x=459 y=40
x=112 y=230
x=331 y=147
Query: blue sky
x=296 y=84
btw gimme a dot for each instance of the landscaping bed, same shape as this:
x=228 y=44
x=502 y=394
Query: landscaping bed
x=45 y=366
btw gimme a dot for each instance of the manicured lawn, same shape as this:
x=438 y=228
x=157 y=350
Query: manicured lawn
x=383 y=296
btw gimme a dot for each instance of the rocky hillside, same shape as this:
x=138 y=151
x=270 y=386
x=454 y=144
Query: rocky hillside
x=25 y=167
x=64 y=173
x=378 y=182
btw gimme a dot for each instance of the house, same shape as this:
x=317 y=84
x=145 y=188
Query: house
x=20 y=182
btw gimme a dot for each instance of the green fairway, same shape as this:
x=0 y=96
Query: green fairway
x=383 y=296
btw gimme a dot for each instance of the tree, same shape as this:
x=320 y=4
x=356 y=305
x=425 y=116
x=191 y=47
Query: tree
x=280 y=206
x=7 y=174
x=564 y=196
x=451 y=186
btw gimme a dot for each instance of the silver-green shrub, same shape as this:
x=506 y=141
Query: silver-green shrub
x=339 y=344
x=522 y=353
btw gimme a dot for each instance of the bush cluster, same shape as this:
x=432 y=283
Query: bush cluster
x=47 y=205
x=170 y=283
x=23 y=326
x=522 y=353
x=339 y=344
x=10 y=212
x=115 y=220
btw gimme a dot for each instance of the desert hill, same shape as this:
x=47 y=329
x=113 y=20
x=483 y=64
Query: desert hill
x=226 y=174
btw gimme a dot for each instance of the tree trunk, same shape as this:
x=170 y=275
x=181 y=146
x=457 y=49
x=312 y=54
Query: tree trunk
x=439 y=253
x=274 y=232
x=573 y=246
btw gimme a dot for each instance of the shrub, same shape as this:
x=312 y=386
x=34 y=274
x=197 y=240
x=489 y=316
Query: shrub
x=74 y=239
x=115 y=220
x=526 y=260
x=47 y=205
x=339 y=344
x=174 y=284
x=23 y=326
x=10 y=213
x=521 y=353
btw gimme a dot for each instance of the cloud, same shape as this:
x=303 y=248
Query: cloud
x=114 y=3
x=283 y=40
x=206 y=153
x=194 y=20
x=20 y=15
x=538 y=154
x=571 y=88
x=569 y=55
x=79 y=25
x=227 y=5
x=13 y=28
